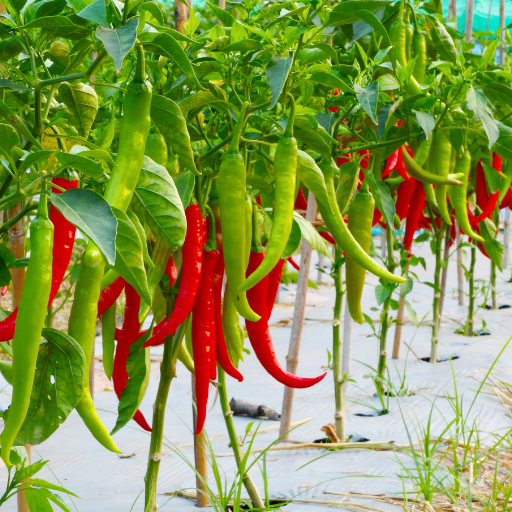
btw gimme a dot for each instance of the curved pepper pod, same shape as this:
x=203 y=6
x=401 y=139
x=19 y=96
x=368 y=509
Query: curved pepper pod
x=125 y=337
x=221 y=349
x=64 y=239
x=360 y=217
x=343 y=237
x=203 y=336
x=487 y=203
x=404 y=197
x=190 y=278
x=259 y=335
x=441 y=159
x=390 y=164
x=110 y=294
x=414 y=214
x=273 y=282
x=292 y=262
x=416 y=171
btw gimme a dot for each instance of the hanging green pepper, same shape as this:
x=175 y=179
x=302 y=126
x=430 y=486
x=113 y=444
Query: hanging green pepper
x=285 y=169
x=232 y=191
x=156 y=149
x=441 y=160
x=29 y=324
x=360 y=219
x=108 y=334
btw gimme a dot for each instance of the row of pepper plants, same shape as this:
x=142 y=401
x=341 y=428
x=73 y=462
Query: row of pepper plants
x=184 y=156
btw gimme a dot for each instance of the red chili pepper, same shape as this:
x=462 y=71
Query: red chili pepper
x=400 y=167
x=274 y=280
x=63 y=241
x=293 y=264
x=390 y=164
x=4 y=290
x=404 y=196
x=487 y=203
x=377 y=215
x=125 y=337
x=259 y=335
x=506 y=199
x=190 y=277
x=414 y=214
x=110 y=294
x=203 y=335
x=221 y=349
x=336 y=92
x=171 y=271
x=300 y=202
x=327 y=236
x=453 y=232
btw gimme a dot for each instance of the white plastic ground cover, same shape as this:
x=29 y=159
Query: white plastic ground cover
x=105 y=481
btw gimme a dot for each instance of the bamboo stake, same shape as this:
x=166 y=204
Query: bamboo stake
x=181 y=14
x=17 y=246
x=252 y=490
x=339 y=413
x=292 y=359
x=347 y=349
x=470 y=11
x=383 y=252
x=460 y=270
x=444 y=273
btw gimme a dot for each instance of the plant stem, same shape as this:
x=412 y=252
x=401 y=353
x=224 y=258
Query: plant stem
x=251 y=489
x=167 y=373
x=494 y=301
x=471 y=307
x=438 y=238
x=339 y=399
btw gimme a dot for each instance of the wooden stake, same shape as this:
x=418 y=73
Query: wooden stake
x=383 y=252
x=181 y=14
x=292 y=359
x=17 y=246
x=201 y=462
x=470 y=12
x=460 y=270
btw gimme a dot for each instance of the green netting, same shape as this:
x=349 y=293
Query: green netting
x=482 y=20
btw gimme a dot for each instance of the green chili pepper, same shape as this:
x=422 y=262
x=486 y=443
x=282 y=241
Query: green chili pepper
x=232 y=198
x=29 y=324
x=231 y=328
x=441 y=160
x=347 y=185
x=458 y=196
x=341 y=234
x=285 y=169
x=419 y=51
x=108 y=333
x=156 y=149
x=185 y=357
x=360 y=218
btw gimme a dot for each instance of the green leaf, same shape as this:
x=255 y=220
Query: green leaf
x=142 y=237
x=50 y=22
x=412 y=313
x=129 y=262
x=330 y=80
x=382 y=293
x=199 y=100
x=388 y=82
x=82 y=102
x=58 y=386
x=493 y=247
x=10 y=48
x=492 y=178
x=118 y=43
x=310 y=174
x=104 y=141
x=293 y=241
x=503 y=146
x=92 y=215
x=17 y=123
x=222 y=15
x=346 y=13
x=8 y=139
x=168 y=46
x=98 y=154
x=442 y=40
x=368 y=99
x=38 y=482
x=172 y=125
x=259 y=183
x=156 y=200
x=154 y=9
x=7 y=84
x=37 y=500
x=80 y=163
x=28 y=471
x=5 y=275
x=277 y=74
x=309 y=232
x=382 y=196
x=372 y=20
x=33 y=158
x=247 y=45
x=138 y=367
x=184 y=182
x=95 y=12
x=426 y=121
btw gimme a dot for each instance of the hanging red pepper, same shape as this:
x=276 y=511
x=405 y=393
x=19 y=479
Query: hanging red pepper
x=125 y=337
x=404 y=196
x=190 y=277
x=326 y=236
x=259 y=335
x=400 y=166
x=4 y=290
x=203 y=335
x=390 y=164
x=487 y=203
x=335 y=93
x=300 y=202
x=110 y=294
x=171 y=271
x=414 y=214
x=293 y=264
x=273 y=282
x=64 y=239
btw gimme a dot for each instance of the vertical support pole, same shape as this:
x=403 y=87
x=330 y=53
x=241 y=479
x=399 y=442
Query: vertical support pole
x=470 y=12
x=452 y=11
x=17 y=246
x=399 y=319
x=460 y=270
x=292 y=359
x=181 y=14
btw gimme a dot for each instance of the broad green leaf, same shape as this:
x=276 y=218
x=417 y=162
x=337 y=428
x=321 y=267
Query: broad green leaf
x=172 y=125
x=310 y=174
x=38 y=482
x=492 y=178
x=442 y=40
x=368 y=99
x=412 y=313
x=95 y=12
x=426 y=121
x=50 y=22
x=313 y=139
x=309 y=232
x=37 y=500
x=92 y=215
x=168 y=46
x=224 y=16
x=199 y=100
x=142 y=236
x=118 y=43
x=7 y=84
x=259 y=183
x=503 y=146
x=388 y=82
x=104 y=141
x=184 y=182
x=174 y=33
x=156 y=200
x=5 y=275
x=80 y=163
x=17 y=123
x=98 y=154
x=293 y=241
x=33 y=158
x=361 y=28
x=492 y=246
x=346 y=13
x=8 y=139
x=382 y=195
x=138 y=367
x=58 y=386
x=28 y=471
x=9 y=48
x=372 y=20
x=82 y=102
x=330 y=80
x=129 y=262
x=154 y=9
x=247 y=45
x=277 y=74
x=382 y=293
